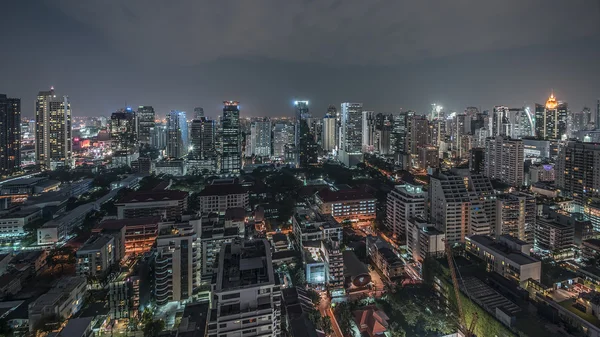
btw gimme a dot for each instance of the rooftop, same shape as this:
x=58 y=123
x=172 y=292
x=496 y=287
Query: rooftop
x=24 y=181
x=243 y=264
x=222 y=189
x=118 y=224
x=95 y=243
x=76 y=327
x=153 y=196
x=503 y=250
x=328 y=195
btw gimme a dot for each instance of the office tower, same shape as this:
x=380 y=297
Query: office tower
x=477 y=160
x=515 y=215
x=368 y=129
x=461 y=203
x=10 y=135
x=123 y=137
x=260 y=137
x=202 y=139
x=352 y=127
x=246 y=298
x=429 y=157
x=177 y=134
x=418 y=135
x=53 y=130
x=501 y=125
x=283 y=135
x=329 y=131
x=158 y=136
x=198 y=113
x=581 y=119
x=382 y=138
x=231 y=148
x=527 y=123
x=504 y=159
x=306 y=154
x=438 y=132
x=404 y=202
x=145 y=122
x=301 y=113
x=551 y=119
x=177 y=271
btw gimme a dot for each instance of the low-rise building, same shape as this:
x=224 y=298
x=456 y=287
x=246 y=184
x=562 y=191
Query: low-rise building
x=507 y=256
x=173 y=167
x=351 y=204
x=13 y=224
x=424 y=240
x=57 y=230
x=96 y=256
x=139 y=233
x=167 y=204
x=222 y=195
x=383 y=256
x=62 y=301
x=76 y=327
x=555 y=237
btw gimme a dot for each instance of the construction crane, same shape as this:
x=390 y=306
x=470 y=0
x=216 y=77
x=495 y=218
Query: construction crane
x=467 y=330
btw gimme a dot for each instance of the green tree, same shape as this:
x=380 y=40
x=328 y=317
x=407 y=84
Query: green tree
x=326 y=325
x=153 y=328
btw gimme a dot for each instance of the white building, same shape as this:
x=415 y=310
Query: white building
x=329 y=132
x=351 y=134
x=58 y=229
x=13 y=223
x=283 y=134
x=63 y=300
x=403 y=202
x=177 y=268
x=368 y=131
x=260 y=138
x=504 y=160
x=96 y=256
x=246 y=296
x=222 y=195
x=423 y=240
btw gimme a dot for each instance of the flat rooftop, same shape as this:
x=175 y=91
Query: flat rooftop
x=503 y=250
x=328 y=195
x=95 y=243
x=244 y=264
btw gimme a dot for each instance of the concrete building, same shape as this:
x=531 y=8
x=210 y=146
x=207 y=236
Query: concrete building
x=515 y=215
x=10 y=141
x=423 y=240
x=260 y=138
x=541 y=173
x=428 y=157
x=96 y=256
x=403 y=202
x=202 y=139
x=504 y=160
x=56 y=230
x=554 y=236
x=177 y=269
x=578 y=165
x=354 y=205
x=283 y=136
x=12 y=224
x=231 y=142
x=123 y=137
x=383 y=256
x=507 y=256
x=145 y=122
x=64 y=299
x=329 y=132
x=177 y=134
x=221 y=195
x=168 y=204
x=351 y=134
x=551 y=119
x=214 y=233
x=53 y=130
x=246 y=295
x=139 y=233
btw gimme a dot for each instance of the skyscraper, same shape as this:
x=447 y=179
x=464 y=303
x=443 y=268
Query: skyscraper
x=283 y=135
x=145 y=121
x=577 y=168
x=418 y=134
x=202 y=139
x=329 y=132
x=504 y=159
x=231 y=156
x=198 y=113
x=301 y=113
x=10 y=135
x=53 y=131
x=368 y=130
x=123 y=137
x=260 y=137
x=404 y=202
x=551 y=119
x=177 y=134
x=352 y=127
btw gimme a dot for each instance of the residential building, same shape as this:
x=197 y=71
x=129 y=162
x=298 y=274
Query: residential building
x=351 y=133
x=428 y=157
x=507 y=256
x=423 y=240
x=202 y=139
x=177 y=269
x=168 y=204
x=231 y=145
x=246 y=295
x=578 y=165
x=554 y=236
x=177 y=134
x=551 y=119
x=418 y=135
x=123 y=136
x=515 y=215
x=10 y=135
x=13 y=224
x=53 y=130
x=541 y=173
x=63 y=300
x=96 y=256
x=504 y=159
x=283 y=135
x=334 y=262
x=352 y=204
x=139 y=233
x=145 y=122
x=221 y=195
x=403 y=202
x=329 y=132
x=214 y=233
x=58 y=229
x=260 y=138
x=383 y=256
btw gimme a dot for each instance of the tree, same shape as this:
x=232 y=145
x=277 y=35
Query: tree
x=314 y=297
x=326 y=325
x=153 y=328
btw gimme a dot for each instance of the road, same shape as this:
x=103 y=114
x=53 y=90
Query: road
x=325 y=310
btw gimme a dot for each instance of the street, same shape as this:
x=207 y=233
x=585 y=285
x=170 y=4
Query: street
x=325 y=310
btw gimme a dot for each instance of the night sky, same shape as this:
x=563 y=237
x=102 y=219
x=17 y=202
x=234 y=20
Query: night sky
x=265 y=53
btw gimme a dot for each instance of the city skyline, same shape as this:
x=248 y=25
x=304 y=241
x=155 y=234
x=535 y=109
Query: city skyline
x=97 y=74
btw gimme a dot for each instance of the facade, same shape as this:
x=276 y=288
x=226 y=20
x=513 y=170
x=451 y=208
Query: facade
x=145 y=122
x=63 y=300
x=329 y=132
x=351 y=135
x=222 y=195
x=418 y=135
x=283 y=135
x=504 y=159
x=140 y=233
x=202 y=139
x=541 y=172
x=260 y=138
x=428 y=157
x=477 y=160
x=403 y=202
x=168 y=204
x=551 y=119
x=213 y=235
x=123 y=136
x=10 y=135
x=198 y=113
x=354 y=205
x=13 y=224
x=383 y=256
x=177 y=134
x=96 y=256
x=507 y=256
x=515 y=215
x=579 y=167
x=423 y=240
x=53 y=130
x=246 y=296
x=368 y=131
x=231 y=145
x=177 y=271
x=554 y=236
x=334 y=261
x=58 y=229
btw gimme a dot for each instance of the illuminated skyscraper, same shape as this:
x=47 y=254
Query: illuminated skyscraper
x=177 y=134
x=283 y=136
x=198 y=113
x=504 y=159
x=202 y=139
x=368 y=131
x=145 y=121
x=329 y=132
x=53 y=131
x=352 y=127
x=551 y=119
x=260 y=138
x=231 y=155
x=123 y=137
x=10 y=135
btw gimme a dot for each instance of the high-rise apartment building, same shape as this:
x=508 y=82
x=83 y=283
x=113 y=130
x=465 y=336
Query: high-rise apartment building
x=515 y=215
x=418 y=134
x=329 y=132
x=123 y=137
x=231 y=148
x=246 y=295
x=368 y=131
x=504 y=159
x=202 y=139
x=404 y=202
x=578 y=171
x=283 y=136
x=352 y=127
x=551 y=119
x=177 y=271
x=10 y=135
x=145 y=122
x=260 y=137
x=53 y=131
x=177 y=134
x=198 y=113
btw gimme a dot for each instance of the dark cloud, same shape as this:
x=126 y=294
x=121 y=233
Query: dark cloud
x=373 y=32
